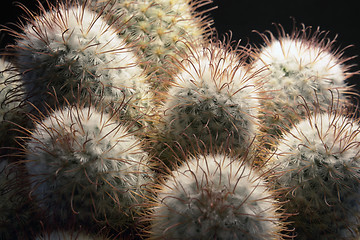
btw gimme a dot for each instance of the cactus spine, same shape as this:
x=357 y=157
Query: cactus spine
x=215 y=197
x=317 y=162
x=85 y=167
x=71 y=52
x=214 y=99
x=297 y=68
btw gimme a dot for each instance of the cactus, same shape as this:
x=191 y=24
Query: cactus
x=297 y=67
x=318 y=163
x=86 y=168
x=71 y=51
x=215 y=197
x=159 y=27
x=214 y=99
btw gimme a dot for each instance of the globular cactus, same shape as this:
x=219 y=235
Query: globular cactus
x=214 y=99
x=215 y=197
x=297 y=67
x=86 y=168
x=160 y=28
x=317 y=163
x=71 y=52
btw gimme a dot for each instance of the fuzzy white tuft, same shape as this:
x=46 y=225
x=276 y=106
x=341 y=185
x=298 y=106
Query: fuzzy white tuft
x=215 y=197
x=68 y=47
x=82 y=162
x=295 y=70
x=214 y=98
x=318 y=163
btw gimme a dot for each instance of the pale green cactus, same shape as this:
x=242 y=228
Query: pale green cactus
x=297 y=68
x=214 y=99
x=317 y=163
x=159 y=27
x=71 y=52
x=215 y=197
x=85 y=168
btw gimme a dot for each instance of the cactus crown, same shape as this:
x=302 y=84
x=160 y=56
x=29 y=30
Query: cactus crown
x=70 y=49
x=84 y=156
x=297 y=67
x=215 y=197
x=214 y=98
x=318 y=162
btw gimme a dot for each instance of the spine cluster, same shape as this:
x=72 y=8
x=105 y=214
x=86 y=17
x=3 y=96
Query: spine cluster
x=215 y=197
x=317 y=163
x=86 y=168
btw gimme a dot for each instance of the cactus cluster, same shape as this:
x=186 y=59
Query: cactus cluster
x=133 y=122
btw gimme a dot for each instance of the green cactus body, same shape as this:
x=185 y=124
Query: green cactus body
x=317 y=162
x=215 y=197
x=295 y=69
x=159 y=27
x=72 y=52
x=86 y=167
x=214 y=99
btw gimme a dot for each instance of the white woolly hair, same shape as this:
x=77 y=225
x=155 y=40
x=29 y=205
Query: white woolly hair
x=81 y=30
x=78 y=147
x=215 y=197
x=307 y=56
x=327 y=134
x=72 y=34
x=213 y=87
x=317 y=164
x=215 y=71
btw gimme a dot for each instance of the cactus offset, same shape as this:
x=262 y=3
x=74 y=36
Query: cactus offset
x=297 y=67
x=318 y=163
x=215 y=197
x=71 y=52
x=214 y=99
x=86 y=168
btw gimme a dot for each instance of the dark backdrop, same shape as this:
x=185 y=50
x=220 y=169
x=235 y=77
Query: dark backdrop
x=241 y=17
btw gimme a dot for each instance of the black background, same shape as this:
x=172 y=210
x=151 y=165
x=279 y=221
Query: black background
x=241 y=17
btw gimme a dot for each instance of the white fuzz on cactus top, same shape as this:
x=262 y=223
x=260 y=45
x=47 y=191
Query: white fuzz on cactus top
x=297 y=68
x=215 y=197
x=318 y=162
x=84 y=164
x=214 y=97
x=70 y=47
